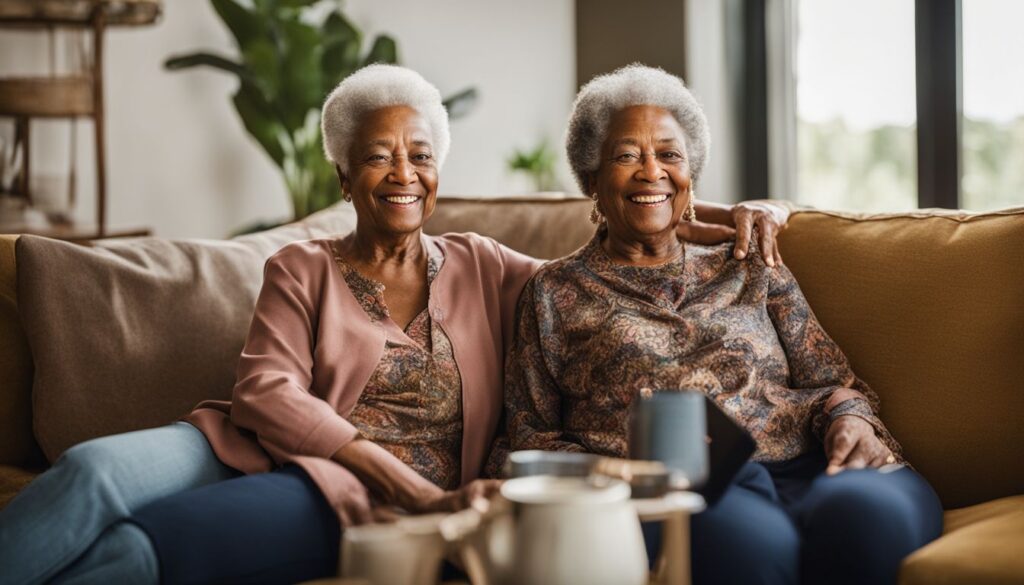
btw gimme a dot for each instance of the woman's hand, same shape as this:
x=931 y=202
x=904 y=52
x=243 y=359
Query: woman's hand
x=769 y=218
x=715 y=225
x=851 y=443
x=475 y=494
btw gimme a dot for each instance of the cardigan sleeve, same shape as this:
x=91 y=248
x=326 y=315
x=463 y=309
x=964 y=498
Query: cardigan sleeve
x=271 y=396
x=816 y=362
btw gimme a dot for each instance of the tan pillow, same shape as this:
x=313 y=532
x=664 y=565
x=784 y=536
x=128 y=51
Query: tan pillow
x=929 y=307
x=132 y=334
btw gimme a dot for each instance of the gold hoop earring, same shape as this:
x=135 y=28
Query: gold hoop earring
x=596 y=217
x=347 y=197
x=690 y=214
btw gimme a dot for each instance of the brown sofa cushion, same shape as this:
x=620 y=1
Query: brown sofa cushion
x=131 y=334
x=981 y=545
x=930 y=309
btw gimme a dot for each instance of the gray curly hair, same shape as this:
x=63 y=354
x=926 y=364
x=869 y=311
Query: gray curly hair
x=632 y=85
x=374 y=87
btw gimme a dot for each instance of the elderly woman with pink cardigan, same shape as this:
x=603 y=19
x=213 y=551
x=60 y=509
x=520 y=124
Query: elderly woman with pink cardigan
x=371 y=379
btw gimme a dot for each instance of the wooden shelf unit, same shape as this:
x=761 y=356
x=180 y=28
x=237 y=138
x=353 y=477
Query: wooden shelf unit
x=78 y=96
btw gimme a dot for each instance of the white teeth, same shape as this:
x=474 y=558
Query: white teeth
x=648 y=198
x=401 y=199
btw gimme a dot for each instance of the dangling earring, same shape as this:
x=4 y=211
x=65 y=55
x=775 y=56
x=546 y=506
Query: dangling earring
x=346 y=196
x=595 y=213
x=690 y=214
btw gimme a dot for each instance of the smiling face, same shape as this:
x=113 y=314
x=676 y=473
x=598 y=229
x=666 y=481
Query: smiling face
x=392 y=173
x=643 y=183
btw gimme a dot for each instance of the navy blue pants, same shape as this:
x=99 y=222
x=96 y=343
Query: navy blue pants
x=788 y=522
x=263 y=529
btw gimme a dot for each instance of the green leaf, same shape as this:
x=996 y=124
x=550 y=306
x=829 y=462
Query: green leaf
x=300 y=72
x=462 y=103
x=260 y=120
x=296 y=3
x=341 y=44
x=247 y=26
x=262 y=61
x=384 y=50
x=207 y=59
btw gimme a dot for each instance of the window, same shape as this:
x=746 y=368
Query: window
x=993 y=92
x=893 y=104
x=855 y=105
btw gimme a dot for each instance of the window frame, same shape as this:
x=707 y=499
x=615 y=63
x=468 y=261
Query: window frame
x=938 y=42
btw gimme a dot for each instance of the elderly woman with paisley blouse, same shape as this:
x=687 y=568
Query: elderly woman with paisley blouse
x=371 y=377
x=636 y=308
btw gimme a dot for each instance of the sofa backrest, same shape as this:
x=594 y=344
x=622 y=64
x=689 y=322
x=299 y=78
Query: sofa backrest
x=929 y=307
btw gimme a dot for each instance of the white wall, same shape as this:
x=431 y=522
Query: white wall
x=521 y=57
x=181 y=163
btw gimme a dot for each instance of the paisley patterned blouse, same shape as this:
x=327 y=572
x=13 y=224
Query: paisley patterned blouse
x=593 y=333
x=412 y=405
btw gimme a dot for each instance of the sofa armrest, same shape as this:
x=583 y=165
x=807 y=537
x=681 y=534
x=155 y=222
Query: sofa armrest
x=17 y=444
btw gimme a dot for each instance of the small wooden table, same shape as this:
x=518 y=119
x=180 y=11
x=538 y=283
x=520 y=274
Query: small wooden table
x=674 y=510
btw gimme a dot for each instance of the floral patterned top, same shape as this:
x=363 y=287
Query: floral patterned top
x=412 y=404
x=593 y=333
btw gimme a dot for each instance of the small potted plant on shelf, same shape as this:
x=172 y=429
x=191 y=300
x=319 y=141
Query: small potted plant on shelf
x=539 y=164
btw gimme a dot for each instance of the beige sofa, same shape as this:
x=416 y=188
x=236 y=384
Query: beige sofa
x=929 y=307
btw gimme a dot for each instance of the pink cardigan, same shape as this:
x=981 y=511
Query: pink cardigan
x=311 y=349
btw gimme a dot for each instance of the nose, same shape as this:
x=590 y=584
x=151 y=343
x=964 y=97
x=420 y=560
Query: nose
x=402 y=172
x=650 y=170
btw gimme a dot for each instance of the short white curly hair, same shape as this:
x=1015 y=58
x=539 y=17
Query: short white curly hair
x=374 y=87
x=632 y=85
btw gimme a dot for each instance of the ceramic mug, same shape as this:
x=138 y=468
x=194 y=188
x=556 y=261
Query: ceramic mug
x=670 y=426
x=407 y=552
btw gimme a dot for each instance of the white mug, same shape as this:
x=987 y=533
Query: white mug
x=407 y=552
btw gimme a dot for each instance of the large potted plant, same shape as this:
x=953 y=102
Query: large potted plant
x=291 y=54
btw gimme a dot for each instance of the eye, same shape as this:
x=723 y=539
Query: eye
x=627 y=157
x=376 y=159
x=672 y=155
x=422 y=157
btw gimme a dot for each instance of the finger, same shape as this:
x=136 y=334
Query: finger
x=493 y=488
x=385 y=515
x=767 y=241
x=778 y=254
x=839 y=448
x=880 y=459
x=706 y=234
x=744 y=225
x=360 y=514
x=858 y=457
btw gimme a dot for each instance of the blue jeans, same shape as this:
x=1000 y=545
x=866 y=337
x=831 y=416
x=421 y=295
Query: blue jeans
x=68 y=525
x=788 y=523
